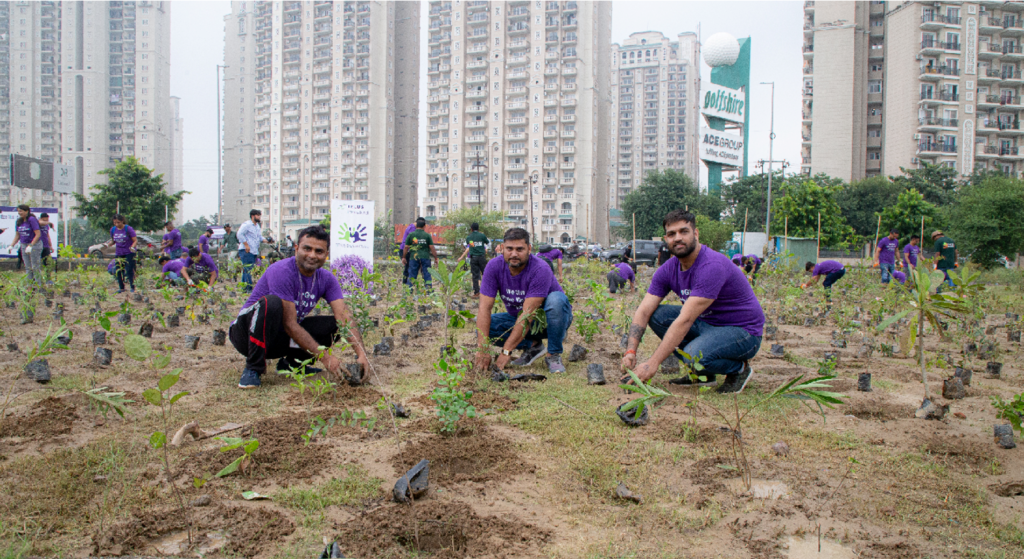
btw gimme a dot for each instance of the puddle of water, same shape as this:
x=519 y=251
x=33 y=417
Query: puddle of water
x=800 y=548
x=177 y=543
x=761 y=488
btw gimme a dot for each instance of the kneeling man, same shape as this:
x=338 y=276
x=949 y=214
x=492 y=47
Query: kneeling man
x=201 y=266
x=273 y=324
x=526 y=285
x=720 y=322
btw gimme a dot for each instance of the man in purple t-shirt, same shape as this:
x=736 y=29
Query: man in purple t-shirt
x=174 y=270
x=885 y=255
x=122 y=236
x=910 y=253
x=620 y=274
x=171 y=243
x=550 y=255
x=201 y=266
x=719 y=324
x=204 y=241
x=831 y=269
x=273 y=323
x=526 y=286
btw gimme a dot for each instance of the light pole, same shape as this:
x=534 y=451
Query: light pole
x=771 y=146
x=220 y=180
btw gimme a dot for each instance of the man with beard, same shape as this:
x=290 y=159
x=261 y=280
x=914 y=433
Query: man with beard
x=719 y=324
x=527 y=287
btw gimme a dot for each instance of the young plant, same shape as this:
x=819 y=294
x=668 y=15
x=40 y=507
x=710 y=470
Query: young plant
x=649 y=395
x=107 y=401
x=244 y=461
x=451 y=401
x=317 y=426
x=161 y=397
x=1011 y=410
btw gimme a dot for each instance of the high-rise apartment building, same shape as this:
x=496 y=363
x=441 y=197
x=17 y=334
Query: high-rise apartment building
x=320 y=103
x=86 y=84
x=655 y=114
x=174 y=176
x=892 y=85
x=518 y=97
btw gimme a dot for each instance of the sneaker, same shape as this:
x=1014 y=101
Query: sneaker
x=133 y=289
x=686 y=381
x=284 y=366
x=529 y=356
x=736 y=383
x=120 y=290
x=555 y=364
x=250 y=379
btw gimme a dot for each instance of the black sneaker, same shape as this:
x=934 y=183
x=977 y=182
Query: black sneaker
x=529 y=356
x=685 y=380
x=736 y=383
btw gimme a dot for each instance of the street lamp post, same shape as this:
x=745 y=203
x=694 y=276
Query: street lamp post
x=220 y=180
x=771 y=146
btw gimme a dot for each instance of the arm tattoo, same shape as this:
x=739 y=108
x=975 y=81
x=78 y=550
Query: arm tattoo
x=636 y=333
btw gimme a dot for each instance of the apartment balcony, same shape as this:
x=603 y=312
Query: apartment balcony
x=569 y=134
x=931 y=46
x=1013 y=52
x=515 y=136
x=476 y=124
x=568 y=102
x=937 y=123
x=876 y=51
x=515 y=197
x=476 y=139
x=518 y=60
x=568 y=165
x=474 y=80
x=932 y=147
x=987 y=152
x=476 y=109
x=940 y=97
x=568 y=149
x=999 y=101
x=476 y=64
x=1011 y=152
x=476 y=94
x=516 y=213
x=938 y=21
x=937 y=72
x=566 y=182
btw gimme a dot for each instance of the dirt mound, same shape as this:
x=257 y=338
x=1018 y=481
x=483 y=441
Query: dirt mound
x=249 y=530
x=282 y=452
x=879 y=408
x=46 y=418
x=972 y=452
x=439 y=530
x=342 y=395
x=478 y=455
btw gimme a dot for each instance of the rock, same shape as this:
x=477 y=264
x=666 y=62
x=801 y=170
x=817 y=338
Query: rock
x=102 y=356
x=964 y=375
x=993 y=370
x=931 y=410
x=953 y=389
x=1004 y=435
x=200 y=501
x=99 y=338
x=622 y=492
x=595 y=374
x=413 y=484
x=577 y=353
x=38 y=370
x=864 y=382
x=780 y=449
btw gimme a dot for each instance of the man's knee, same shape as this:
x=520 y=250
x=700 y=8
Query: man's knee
x=663 y=318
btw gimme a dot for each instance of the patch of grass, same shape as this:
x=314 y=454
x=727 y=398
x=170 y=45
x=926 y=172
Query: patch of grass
x=886 y=385
x=1012 y=534
x=353 y=488
x=13 y=545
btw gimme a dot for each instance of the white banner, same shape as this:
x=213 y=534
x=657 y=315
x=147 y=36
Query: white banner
x=8 y=231
x=721 y=147
x=352 y=229
x=63 y=178
x=723 y=102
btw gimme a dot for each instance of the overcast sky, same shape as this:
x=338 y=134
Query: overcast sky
x=775 y=28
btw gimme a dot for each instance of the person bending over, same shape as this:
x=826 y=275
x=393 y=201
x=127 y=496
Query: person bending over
x=201 y=266
x=174 y=270
x=274 y=324
x=720 y=322
x=526 y=286
x=832 y=270
x=551 y=254
x=619 y=275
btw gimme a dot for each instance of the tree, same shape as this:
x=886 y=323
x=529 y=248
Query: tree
x=141 y=195
x=938 y=184
x=492 y=224
x=862 y=200
x=986 y=219
x=748 y=196
x=660 y=193
x=191 y=230
x=80 y=235
x=801 y=206
x=905 y=215
x=714 y=233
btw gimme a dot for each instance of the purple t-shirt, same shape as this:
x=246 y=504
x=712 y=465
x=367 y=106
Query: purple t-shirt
x=712 y=276
x=887 y=249
x=27 y=229
x=737 y=259
x=826 y=267
x=205 y=264
x=122 y=240
x=44 y=235
x=409 y=229
x=175 y=237
x=900 y=276
x=625 y=271
x=553 y=254
x=536 y=280
x=283 y=279
x=174 y=266
x=757 y=261
x=111 y=266
x=910 y=253
x=204 y=244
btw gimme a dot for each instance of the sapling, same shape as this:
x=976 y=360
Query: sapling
x=162 y=398
x=107 y=401
x=244 y=461
x=1011 y=410
x=451 y=401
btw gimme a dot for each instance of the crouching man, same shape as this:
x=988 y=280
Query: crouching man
x=174 y=270
x=527 y=286
x=720 y=322
x=273 y=323
x=201 y=266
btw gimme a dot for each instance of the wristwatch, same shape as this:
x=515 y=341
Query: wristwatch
x=506 y=352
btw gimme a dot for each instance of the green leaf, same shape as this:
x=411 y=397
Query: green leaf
x=153 y=396
x=231 y=443
x=167 y=381
x=178 y=396
x=198 y=482
x=137 y=347
x=252 y=495
x=888 y=322
x=104 y=323
x=251 y=446
x=230 y=468
x=157 y=440
x=161 y=361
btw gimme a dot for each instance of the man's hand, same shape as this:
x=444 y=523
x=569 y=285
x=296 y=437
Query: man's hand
x=628 y=362
x=502 y=361
x=482 y=360
x=645 y=372
x=331 y=363
x=405 y=262
x=365 y=363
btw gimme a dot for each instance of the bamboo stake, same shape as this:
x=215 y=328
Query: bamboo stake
x=818 y=255
x=785 y=231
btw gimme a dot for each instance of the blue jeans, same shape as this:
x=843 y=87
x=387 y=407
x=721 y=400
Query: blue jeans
x=174 y=253
x=887 y=270
x=559 y=318
x=721 y=349
x=946 y=280
x=248 y=261
x=832 y=278
x=175 y=278
x=415 y=266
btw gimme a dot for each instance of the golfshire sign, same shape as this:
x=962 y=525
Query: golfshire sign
x=721 y=147
x=724 y=103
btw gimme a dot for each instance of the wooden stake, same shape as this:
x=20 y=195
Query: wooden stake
x=878 y=229
x=818 y=255
x=785 y=231
x=743 y=237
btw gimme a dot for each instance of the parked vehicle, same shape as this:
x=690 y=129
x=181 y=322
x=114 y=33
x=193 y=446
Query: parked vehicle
x=646 y=253
x=146 y=247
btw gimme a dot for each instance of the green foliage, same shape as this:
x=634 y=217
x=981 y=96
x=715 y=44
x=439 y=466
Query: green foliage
x=1011 y=410
x=141 y=195
x=649 y=395
x=587 y=327
x=861 y=201
x=492 y=224
x=985 y=220
x=451 y=401
x=905 y=215
x=248 y=446
x=748 y=197
x=715 y=234
x=661 y=192
x=82 y=234
x=801 y=205
x=45 y=346
x=936 y=183
x=191 y=230
x=109 y=401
